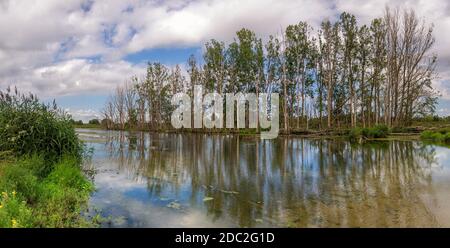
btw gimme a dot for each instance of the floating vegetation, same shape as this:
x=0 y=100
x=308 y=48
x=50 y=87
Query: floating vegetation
x=174 y=205
x=229 y=192
x=210 y=187
x=208 y=199
x=119 y=221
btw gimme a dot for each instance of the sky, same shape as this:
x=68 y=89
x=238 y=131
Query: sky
x=78 y=51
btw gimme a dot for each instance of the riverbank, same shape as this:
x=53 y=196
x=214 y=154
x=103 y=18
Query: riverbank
x=31 y=199
x=308 y=133
x=42 y=182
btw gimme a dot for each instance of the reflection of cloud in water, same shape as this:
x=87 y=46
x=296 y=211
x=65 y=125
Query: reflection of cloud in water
x=116 y=181
x=442 y=155
x=439 y=202
x=162 y=180
x=116 y=198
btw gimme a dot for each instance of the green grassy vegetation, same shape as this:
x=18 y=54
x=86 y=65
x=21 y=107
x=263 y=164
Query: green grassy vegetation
x=92 y=124
x=376 y=132
x=30 y=199
x=88 y=126
x=440 y=136
x=42 y=183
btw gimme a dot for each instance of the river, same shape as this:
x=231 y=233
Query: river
x=199 y=180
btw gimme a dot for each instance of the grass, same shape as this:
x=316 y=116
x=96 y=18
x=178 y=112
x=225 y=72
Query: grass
x=42 y=183
x=376 y=132
x=88 y=126
x=441 y=136
x=31 y=200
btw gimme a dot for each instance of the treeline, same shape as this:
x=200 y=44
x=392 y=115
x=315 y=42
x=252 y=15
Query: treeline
x=341 y=75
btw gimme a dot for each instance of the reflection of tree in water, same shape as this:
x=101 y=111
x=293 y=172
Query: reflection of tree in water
x=369 y=185
x=287 y=181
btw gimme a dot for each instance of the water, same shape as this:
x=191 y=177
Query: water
x=196 y=180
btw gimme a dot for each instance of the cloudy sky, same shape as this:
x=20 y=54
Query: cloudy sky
x=77 y=51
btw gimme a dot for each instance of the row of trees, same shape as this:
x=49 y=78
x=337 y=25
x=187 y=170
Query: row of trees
x=342 y=75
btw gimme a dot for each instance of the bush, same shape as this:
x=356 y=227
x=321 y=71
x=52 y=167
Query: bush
x=28 y=127
x=379 y=131
x=355 y=133
x=426 y=135
x=441 y=136
x=41 y=180
x=94 y=122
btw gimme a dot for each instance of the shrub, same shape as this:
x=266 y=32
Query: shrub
x=438 y=137
x=446 y=138
x=28 y=127
x=426 y=135
x=41 y=180
x=399 y=130
x=94 y=122
x=355 y=133
x=379 y=131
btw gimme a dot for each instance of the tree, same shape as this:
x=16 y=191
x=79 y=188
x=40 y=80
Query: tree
x=363 y=53
x=350 y=31
x=94 y=122
x=299 y=63
x=215 y=66
x=378 y=66
x=131 y=102
x=349 y=75
x=410 y=67
x=329 y=50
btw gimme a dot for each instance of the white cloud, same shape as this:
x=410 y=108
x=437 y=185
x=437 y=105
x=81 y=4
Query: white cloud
x=84 y=115
x=81 y=76
x=202 y=20
x=46 y=45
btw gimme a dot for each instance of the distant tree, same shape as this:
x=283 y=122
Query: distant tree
x=347 y=74
x=94 y=122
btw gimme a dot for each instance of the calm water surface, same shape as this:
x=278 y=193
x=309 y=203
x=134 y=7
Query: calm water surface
x=196 y=180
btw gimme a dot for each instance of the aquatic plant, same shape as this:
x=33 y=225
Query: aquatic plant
x=41 y=180
x=28 y=126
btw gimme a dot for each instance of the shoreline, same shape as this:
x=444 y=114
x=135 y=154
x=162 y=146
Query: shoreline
x=313 y=134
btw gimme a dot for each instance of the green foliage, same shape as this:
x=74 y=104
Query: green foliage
x=55 y=200
x=28 y=127
x=376 y=132
x=14 y=212
x=441 y=136
x=355 y=133
x=76 y=123
x=94 y=122
x=41 y=180
x=379 y=131
x=22 y=177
